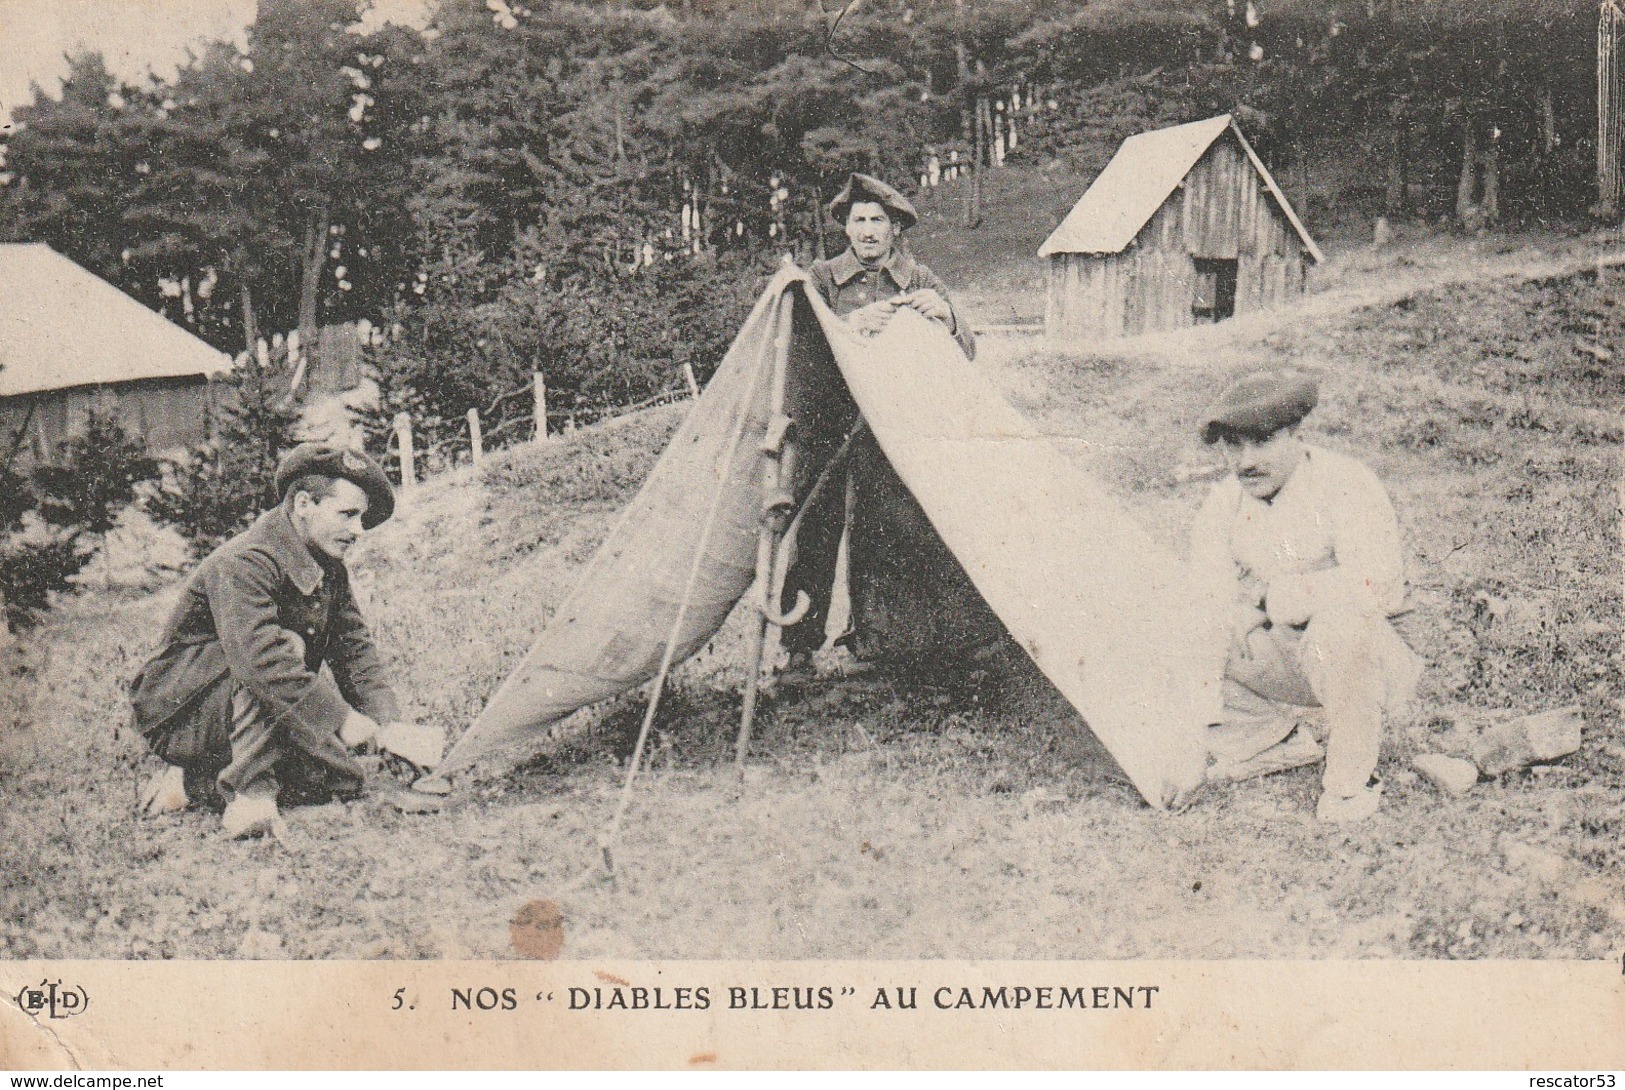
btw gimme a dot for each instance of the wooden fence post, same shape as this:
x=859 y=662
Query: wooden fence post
x=541 y=407
x=474 y=440
x=693 y=385
x=403 y=441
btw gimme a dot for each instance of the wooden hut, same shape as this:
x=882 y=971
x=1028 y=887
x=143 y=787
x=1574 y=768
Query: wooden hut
x=1185 y=225
x=72 y=344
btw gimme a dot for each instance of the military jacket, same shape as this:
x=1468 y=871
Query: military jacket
x=846 y=285
x=235 y=623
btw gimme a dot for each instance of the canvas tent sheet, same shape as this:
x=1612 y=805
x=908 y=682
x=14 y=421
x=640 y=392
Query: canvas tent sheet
x=1101 y=607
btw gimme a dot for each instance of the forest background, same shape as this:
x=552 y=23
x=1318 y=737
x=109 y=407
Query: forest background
x=597 y=191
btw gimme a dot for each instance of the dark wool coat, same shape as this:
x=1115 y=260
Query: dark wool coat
x=846 y=285
x=910 y=599
x=234 y=626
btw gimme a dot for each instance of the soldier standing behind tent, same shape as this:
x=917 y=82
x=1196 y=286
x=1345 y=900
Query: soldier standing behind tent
x=910 y=599
x=875 y=274
x=236 y=699
x=1297 y=556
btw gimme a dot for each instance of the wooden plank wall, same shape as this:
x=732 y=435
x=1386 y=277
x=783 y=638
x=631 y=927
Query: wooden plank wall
x=1221 y=210
x=169 y=415
x=335 y=364
x=1088 y=294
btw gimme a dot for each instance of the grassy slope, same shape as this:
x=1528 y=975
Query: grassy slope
x=995 y=271
x=975 y=820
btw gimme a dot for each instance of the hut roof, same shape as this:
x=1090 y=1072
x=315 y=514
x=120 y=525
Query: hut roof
x=1140 y=177
x=63 y=326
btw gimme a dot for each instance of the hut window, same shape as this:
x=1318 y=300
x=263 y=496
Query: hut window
x=1215 y=295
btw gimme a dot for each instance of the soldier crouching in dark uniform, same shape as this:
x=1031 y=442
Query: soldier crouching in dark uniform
x=235 y=701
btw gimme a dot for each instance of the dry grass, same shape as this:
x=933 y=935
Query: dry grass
x=974 y=819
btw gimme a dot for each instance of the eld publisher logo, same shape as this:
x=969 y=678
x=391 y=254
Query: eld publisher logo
x=53 y=1000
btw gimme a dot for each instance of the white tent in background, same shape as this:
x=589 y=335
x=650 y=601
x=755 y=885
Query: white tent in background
x=71 y=343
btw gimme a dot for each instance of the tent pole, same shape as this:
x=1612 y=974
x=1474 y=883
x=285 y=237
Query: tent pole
x=755 y=651
x=773 y=556
x=835 y=462
x=778 y=478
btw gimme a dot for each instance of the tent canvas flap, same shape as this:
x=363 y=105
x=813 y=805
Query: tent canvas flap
x=609 y=634
x=1100 y=606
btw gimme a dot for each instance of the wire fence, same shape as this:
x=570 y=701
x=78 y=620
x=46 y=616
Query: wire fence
x=411 y=455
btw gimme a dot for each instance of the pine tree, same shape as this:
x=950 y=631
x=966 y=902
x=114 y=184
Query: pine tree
x=70 y=170
x=53 y=526
x=223 y=486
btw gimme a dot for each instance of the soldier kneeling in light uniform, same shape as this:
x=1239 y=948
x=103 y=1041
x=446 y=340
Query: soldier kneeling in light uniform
x=236 y=701
x=1297 y=553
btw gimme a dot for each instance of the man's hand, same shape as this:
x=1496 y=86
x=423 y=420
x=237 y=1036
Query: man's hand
x=929 y=304
x=1243 y=620
x=414 y=743
x=1289 y=601
x=871 y=319
x=357 y=730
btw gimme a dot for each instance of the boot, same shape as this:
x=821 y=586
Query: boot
x=1296 y=750
x=251 y=813
x=1350 y=809
x=166 y=792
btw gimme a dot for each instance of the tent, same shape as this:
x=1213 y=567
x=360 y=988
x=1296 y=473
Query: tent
x=1100 y=607
x=72 y=344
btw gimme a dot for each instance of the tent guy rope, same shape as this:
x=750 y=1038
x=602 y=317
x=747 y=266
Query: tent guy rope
x=606 y=843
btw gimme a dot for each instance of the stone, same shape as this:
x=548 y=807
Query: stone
x=432 y=785
x=1521 y=742
x=1452 y=775
x=413 y=802
x=1555 y=734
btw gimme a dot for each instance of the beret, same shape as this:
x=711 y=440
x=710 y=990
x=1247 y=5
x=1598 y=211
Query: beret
x=341 y=463
x=1261 y=403
x=862 y=187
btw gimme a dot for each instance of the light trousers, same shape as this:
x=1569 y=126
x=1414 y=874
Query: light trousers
x=1348 y=663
